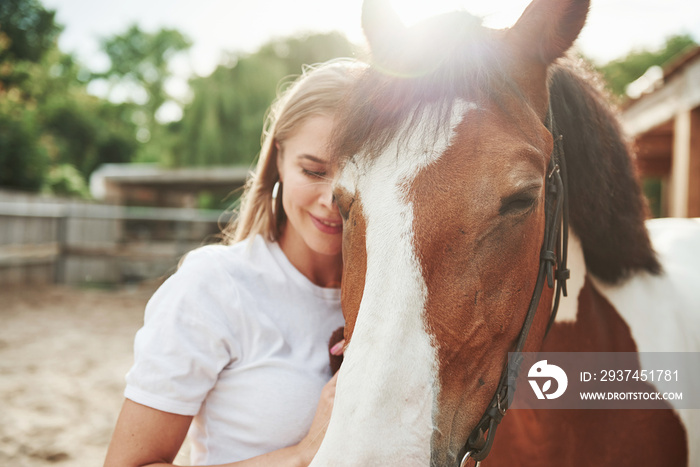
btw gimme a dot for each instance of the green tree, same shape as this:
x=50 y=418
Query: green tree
x=223 y=123
x=76 y=128
x=27 y=31
x=65 y=180
x=295 y=52
x=53 y=134
x=86 y=134
x=23 y=161
x=619 y=73
x=140 y=58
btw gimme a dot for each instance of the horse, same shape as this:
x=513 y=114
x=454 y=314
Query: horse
x=460 y=158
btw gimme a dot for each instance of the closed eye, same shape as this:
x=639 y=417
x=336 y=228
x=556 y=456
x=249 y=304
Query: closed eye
x=314 y=174
x=518 y=203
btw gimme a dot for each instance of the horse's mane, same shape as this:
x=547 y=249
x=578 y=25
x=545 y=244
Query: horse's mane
x=606 y=204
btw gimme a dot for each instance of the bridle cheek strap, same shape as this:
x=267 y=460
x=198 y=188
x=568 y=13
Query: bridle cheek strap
x=556 y=235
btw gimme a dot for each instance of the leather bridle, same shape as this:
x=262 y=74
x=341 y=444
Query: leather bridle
x=556 y=234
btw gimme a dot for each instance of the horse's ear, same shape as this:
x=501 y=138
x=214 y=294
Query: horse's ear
x=416 y=50
x=383 y=29
x=548 y=28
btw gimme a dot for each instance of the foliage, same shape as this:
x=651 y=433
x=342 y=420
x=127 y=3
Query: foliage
x=47 y=119
x=141 y=59
x=81 y=138
x=23 y=160
x=27 y=30
x=65 y=180
x=223 y=123
x=619 y=73
x=294 y=52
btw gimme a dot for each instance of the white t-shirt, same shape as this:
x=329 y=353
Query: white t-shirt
x=237 y=337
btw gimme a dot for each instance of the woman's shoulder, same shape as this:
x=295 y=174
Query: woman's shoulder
x=238 y=269
x=235 y=259
x=211 y=279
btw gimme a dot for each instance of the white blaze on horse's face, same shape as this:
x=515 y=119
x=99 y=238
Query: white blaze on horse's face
x=390 y=364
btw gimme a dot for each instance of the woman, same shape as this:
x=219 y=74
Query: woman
x=234 y=345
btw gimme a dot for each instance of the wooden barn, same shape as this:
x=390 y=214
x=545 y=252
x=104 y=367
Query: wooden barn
x=665 y=124
x=155 y=186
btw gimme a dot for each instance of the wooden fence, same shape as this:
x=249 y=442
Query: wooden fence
x=52 y=241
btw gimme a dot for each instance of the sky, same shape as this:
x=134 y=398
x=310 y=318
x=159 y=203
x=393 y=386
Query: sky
x=218 y=27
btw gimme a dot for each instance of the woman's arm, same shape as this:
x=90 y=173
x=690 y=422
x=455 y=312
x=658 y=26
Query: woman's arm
x=146 y=437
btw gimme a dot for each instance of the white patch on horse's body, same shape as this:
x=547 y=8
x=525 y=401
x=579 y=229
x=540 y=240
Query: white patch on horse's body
x=568 y=306
x=663 y=312
x=390 y=364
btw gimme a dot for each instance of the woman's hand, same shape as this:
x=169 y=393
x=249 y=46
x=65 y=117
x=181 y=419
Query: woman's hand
x=338 y=348
x=312 y=441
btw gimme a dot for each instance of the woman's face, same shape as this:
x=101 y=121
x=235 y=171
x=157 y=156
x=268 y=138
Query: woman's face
x=313 y=220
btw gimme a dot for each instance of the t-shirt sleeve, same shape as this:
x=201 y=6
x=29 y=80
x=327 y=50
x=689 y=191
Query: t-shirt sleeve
x=186 y=339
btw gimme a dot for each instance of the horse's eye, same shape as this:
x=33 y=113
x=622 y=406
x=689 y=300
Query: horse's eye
x=517 y=204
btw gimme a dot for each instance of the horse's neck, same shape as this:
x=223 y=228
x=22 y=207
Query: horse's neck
x=586 y=320
x=598 y=327
x=645 y=312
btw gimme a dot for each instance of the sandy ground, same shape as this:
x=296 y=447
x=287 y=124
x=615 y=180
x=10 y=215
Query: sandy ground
x=63 y=356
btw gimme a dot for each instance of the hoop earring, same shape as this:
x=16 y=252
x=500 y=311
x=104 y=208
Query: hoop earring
x=275 y=191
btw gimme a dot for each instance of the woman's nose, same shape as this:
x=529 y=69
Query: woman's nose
x=327 y=198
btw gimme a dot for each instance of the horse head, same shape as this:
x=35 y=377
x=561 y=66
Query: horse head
x=443 y=155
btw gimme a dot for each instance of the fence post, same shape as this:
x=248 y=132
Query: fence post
x=61 y=239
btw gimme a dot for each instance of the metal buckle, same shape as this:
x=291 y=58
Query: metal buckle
x=498 y=405
x=466 y=458
x=554 y=169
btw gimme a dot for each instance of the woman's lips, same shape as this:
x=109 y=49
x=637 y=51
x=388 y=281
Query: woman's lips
x=327 y=226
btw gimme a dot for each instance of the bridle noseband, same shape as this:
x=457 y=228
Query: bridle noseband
x=556 y=233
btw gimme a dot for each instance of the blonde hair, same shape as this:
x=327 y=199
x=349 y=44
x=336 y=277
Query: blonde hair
x=318 y=91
